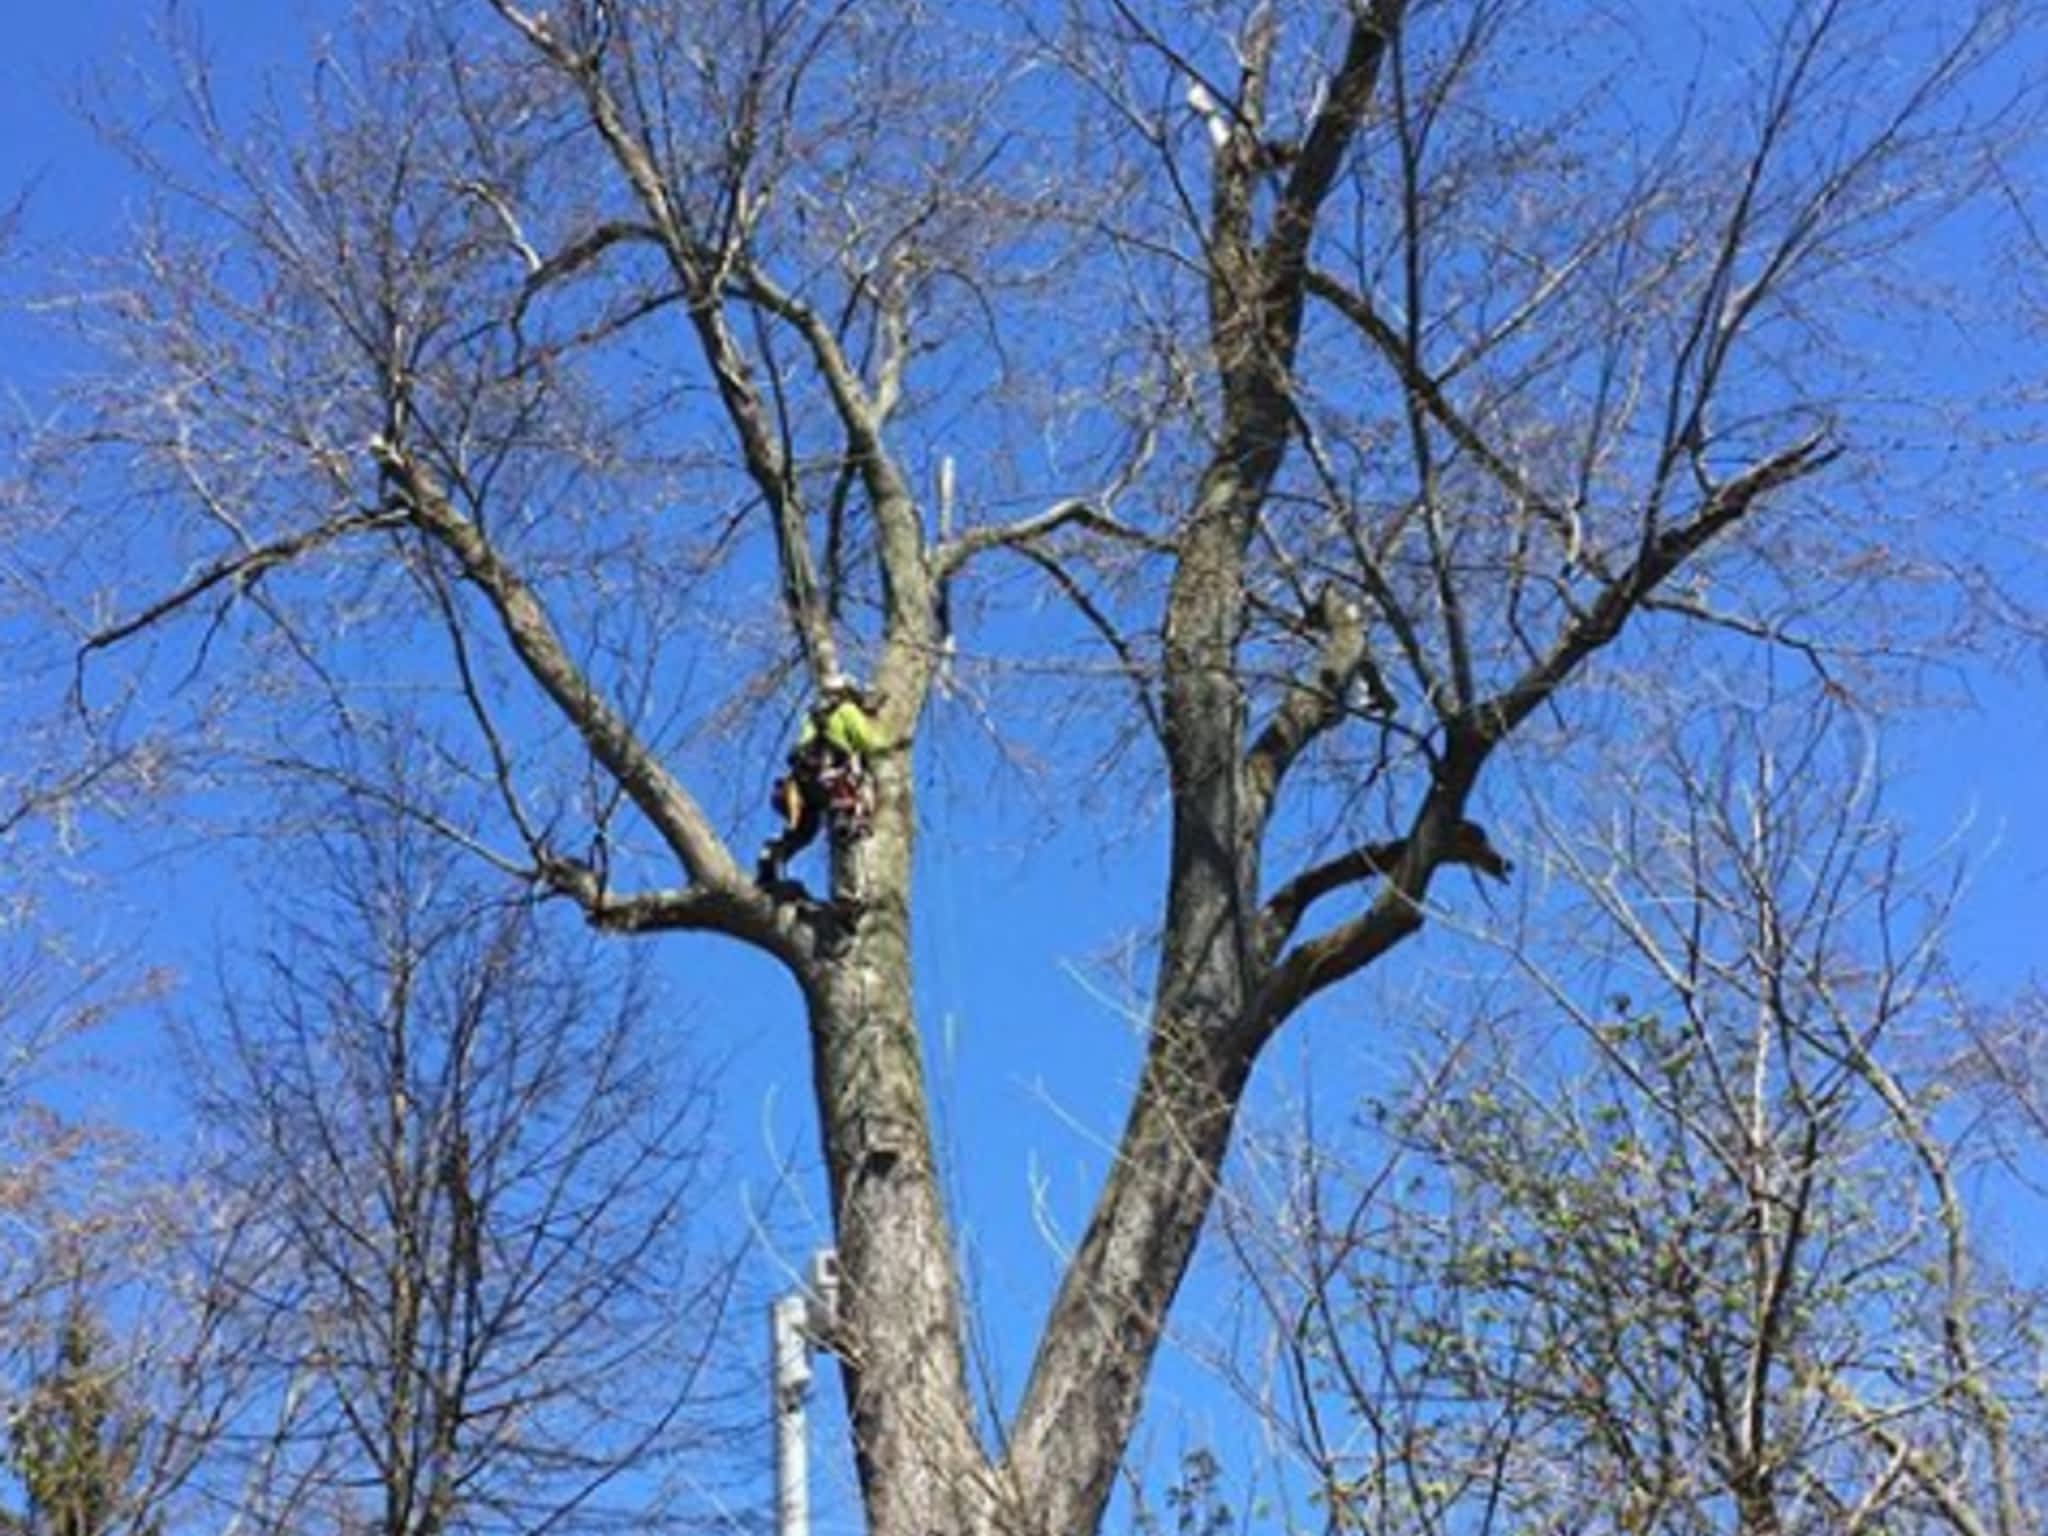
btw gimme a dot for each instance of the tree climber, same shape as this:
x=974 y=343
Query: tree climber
x=827 y=782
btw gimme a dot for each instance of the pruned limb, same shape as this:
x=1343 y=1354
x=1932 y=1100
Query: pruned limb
x=1465 y=843
x=1439 y=835
x=1330 y=957
x=674 y=814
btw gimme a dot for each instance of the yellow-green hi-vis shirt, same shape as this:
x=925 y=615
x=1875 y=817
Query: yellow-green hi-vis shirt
x=848 y=727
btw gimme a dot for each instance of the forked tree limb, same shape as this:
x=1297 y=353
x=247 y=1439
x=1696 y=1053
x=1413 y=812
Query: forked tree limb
x=721 y=886
x=1318 y=963
x=1094 y=1353
x=900 y=544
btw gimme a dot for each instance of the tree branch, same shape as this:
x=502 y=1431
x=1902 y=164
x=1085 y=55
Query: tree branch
x=1100 y=623
x=1466 y=843
x=1371 y=574
x=1329 y=137
x=576 y=255
x=1077 y=512
x=1941 y=1490
x=773 y=474
x=900 y=538
x=1426 y=392
x=242 y=571
x=683 y=909
x=1494 y=718
x=1313 y=703
x=611 y=740
x=1318 y=963
x=703 y=274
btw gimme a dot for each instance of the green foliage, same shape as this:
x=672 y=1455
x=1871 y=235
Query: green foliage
x=70 y=1444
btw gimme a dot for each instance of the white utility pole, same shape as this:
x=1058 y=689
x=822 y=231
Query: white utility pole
x=948 y=646
x=798 y=1323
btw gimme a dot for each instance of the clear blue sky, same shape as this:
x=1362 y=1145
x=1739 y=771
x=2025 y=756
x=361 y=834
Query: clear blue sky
x=1032 y=1068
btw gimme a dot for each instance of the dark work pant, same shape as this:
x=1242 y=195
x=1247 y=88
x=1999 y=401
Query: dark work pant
x=799 y=834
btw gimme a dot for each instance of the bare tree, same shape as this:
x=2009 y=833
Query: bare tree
x=1398 y=380
x=1706 y=1263
x=454 y=1176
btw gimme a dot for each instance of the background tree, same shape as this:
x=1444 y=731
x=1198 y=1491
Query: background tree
x=582 y=368
x=75 y=1444
x=1704 y=1263
x=454 y=1168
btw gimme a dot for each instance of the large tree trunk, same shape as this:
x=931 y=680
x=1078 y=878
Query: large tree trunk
x=922 y=1470
x=1088 y=1378
x=1090 y=1373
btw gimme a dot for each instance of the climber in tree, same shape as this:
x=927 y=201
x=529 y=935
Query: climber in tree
x=827 y=782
